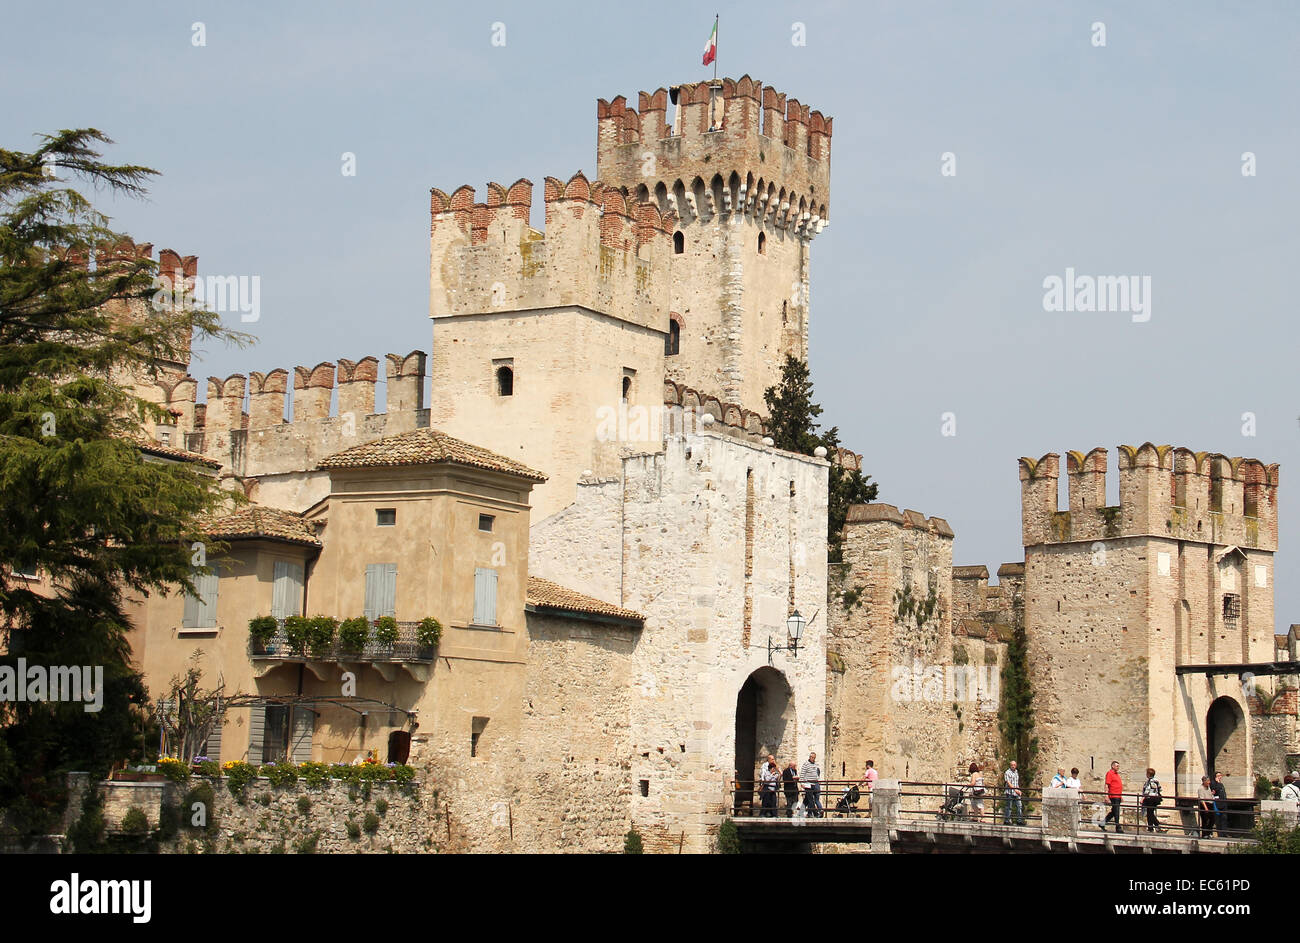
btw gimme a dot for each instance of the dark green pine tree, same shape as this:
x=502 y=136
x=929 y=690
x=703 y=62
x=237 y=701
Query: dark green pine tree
x=792 y=424
x=77 y=501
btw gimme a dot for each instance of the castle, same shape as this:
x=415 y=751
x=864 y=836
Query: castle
x=587 y=502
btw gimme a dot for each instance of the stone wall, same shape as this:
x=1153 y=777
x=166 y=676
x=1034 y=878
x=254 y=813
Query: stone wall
x=720 y=537
x=575 y=737
x=275 y=819
x=1275 y=731
x=897 y=695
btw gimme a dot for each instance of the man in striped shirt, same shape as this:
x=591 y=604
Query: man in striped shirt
x=810 y=776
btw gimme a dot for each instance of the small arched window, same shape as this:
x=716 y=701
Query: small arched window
x=627 y=387
x=673 y=343
x=679 y=243
x=505 y=381
x=762 y=243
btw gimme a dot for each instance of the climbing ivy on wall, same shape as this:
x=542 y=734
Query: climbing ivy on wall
x=1016 y=709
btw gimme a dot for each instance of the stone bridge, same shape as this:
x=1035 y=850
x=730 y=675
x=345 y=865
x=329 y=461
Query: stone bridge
x=1061 y=829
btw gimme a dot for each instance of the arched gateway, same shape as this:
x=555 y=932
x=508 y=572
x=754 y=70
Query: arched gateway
x=765 y=723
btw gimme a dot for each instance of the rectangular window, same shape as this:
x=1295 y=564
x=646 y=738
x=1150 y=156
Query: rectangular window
x=1231 y=610
x=381 y=590
x=28 y=573
x=275 y=733
x=485 y=522
x=286 y=589
x=485 y=596
x=476 y=733
x=385 y=517
x=201 y=610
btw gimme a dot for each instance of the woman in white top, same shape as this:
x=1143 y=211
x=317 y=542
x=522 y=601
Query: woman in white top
x=1072 y=781
x=976 y=784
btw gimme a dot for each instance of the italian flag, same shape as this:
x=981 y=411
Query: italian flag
x=711 y=47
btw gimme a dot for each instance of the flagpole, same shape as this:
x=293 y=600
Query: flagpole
x=716 y=18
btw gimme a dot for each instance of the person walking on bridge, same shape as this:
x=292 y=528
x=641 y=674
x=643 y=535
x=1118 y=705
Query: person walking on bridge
x=810 y=779
x=1151 y=797
x=1220 y=804
x=1013 y=796
x=790 y=779
x=770 y=776
x=1115 y=792
x=1291 y=790
x=1205 y=806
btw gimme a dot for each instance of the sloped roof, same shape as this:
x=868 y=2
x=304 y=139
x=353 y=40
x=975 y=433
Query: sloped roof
x=425 y=447
x=543 y=594
x=255 y=522
x=180 y=455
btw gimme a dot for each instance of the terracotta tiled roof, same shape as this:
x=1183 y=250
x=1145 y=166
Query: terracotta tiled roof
x=547 y=595
x=166 y=451
x=424 y=447
x=267 y=523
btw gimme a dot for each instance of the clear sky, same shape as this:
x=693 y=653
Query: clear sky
x=927 y=298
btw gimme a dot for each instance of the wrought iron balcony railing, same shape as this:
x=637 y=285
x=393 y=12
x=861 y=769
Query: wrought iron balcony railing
x=407 y=648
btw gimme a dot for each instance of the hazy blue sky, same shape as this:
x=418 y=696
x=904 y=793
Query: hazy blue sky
x=927 y=290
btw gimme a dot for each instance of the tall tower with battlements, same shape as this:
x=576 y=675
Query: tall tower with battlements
x=1144 y=617
x=746 y=174
x=684 y=264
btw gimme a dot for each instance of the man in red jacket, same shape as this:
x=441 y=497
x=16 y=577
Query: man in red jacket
x=1115 y=790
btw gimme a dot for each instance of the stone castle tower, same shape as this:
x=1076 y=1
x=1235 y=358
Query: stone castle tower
x=746 y=173
x=686 y=260
x=1128 y=606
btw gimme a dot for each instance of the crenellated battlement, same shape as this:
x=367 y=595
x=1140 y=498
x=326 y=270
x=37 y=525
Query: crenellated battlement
x=1164 y=492
x=600 y=250
x=260 y=441
x=734 y=416
x=734 y=148
x=888 y=513
x=168 y=267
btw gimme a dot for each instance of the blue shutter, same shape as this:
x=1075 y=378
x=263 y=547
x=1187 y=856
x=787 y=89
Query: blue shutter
x=485 y=596
x=212 y=749
x=372 y=590
x=207 y=584
x=389 y=601
x=381 y=590
x=256 y=724
x=191 y=618
x=286 y=594
x=300 y=737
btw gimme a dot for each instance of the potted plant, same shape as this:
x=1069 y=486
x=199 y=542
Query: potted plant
x=261 y=630
x=429 y=633
x=296 y=630
x=386 y=631
x=353 y=635
x=320 y=635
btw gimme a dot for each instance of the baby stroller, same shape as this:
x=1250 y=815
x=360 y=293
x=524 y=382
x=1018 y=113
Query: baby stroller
x=954 y=806
x=848 y=804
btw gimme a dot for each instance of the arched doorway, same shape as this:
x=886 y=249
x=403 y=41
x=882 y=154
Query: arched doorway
x=765 y=723
x=1225 y=739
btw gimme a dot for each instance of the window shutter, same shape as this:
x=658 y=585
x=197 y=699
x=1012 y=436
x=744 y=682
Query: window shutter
x=485 y=596
x=208 y=600
x=212 y=749
x=390 y=590
x=286 y=595
x=191 y=618
x=381 y=590
x=304 y=725
x=372 y=591
x=256 y=725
